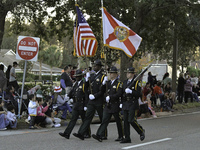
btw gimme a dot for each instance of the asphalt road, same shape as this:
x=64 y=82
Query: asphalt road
x=176 y=132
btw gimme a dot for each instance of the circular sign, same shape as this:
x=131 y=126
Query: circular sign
x=27 y=48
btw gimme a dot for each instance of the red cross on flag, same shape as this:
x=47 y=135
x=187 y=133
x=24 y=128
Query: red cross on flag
x=116 y=35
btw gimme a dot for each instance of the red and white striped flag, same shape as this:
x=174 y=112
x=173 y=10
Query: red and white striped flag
x=116 y=35
x=85 y=42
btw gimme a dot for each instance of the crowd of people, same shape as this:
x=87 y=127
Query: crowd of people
x=84 y=93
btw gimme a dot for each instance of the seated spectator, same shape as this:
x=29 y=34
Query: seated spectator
x=195 y=90
x=158 y=90
x=10 y=96
x=32 y=110
x=53 y=122
x=166 y=79
x=41 y=117
x=3 y=121
x=166 y=103
x=61 y=102
x=11 y=117
x=172 y=95
x=188 y=90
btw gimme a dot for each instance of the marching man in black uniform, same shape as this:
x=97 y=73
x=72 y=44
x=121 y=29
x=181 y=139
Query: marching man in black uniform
x=96 y=99
x=113 y=94
x=131 y=94
x=79 y=94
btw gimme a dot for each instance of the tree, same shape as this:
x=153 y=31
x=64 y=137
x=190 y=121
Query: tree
x=52 y=57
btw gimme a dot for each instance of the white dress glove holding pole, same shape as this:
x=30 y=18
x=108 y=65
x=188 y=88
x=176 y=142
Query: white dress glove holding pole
x=85 y=108
x=107 y=99
x=87 y=76
x=128 y=91
x=66 y=97
x=105 y=80
x=120 y=106
x=91 y=97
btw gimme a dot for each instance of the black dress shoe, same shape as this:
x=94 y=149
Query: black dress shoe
x=125 y=141
x=104 y=138
x=97 y=137
x=64 y=135
x=119 y=139
x=78 y=136
x=142 y=136
x=87 y=136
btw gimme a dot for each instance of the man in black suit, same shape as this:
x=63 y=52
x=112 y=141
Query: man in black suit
x=96 y=98
x=113 y=95
x=79 y=94
x=131 y=94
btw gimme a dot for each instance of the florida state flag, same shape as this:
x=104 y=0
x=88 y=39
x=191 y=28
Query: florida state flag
x=116 y=35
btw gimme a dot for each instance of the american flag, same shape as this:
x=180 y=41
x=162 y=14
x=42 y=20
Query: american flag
x=85 y=42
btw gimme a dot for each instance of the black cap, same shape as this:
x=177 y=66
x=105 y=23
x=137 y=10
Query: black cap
x=98 y=62
x=130 y=70
x=15 y=63
x=113 y=70
x=78 y=73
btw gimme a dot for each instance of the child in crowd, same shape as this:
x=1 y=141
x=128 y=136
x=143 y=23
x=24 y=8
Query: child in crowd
x=152 y=112
x=32 y=110
x=3 y=121
x=11 y=117
x=53 y=121
x=166 y=103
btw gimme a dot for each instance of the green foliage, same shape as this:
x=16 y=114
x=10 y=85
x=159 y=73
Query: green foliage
x=193 y=71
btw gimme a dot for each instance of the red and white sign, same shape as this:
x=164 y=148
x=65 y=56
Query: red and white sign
x=27 y=48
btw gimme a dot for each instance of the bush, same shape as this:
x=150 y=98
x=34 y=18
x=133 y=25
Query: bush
x=194 y=71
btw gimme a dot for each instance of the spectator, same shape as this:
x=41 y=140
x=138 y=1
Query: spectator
x=151 y=79
x=8 y=74
x=172 y=95
x=166 y=79
x=34 y=90
x=146 y=90
x=61 y=102
x=12 y=80
x=188 y=90
x=3 y=121
x=11 y=117
x=158 y=90
x=3 y=80
x=166 y=103
x=66 y=80
x=181 y=82
x=53 y=121
x=41 y=118
x=72 y=73
x=32 y=110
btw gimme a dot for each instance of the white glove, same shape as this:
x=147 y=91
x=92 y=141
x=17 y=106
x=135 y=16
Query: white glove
x=104 y=80
x=85 y=108
x=128 y=91
x=71 y=100
x=120 y=106
x=91 y=97
x=107 y=99
x=66 y=97
x=87 y=76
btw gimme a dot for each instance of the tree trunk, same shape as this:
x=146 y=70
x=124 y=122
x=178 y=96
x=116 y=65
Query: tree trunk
x=174 y=69
x=3 y=14
x=51 y=73
x=124 y=64
x=40 y=74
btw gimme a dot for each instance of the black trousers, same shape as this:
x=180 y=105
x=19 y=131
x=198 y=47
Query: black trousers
x=130 y=118
x=187 y=95
x=106 y=119
x=91 y=108
x=74 y=118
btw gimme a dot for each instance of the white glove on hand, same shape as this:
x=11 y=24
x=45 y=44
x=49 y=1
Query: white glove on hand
x=87 y=76
x=71 y=100
x=104 y=80
x=66 y=97
x=128 y=91
x=91 y=97
x=120 y=106
x=107 y=99
x=85 y=108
